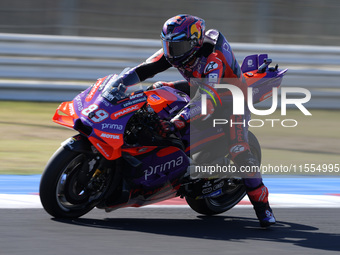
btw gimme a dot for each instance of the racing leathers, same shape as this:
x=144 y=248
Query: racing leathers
x=214 y=62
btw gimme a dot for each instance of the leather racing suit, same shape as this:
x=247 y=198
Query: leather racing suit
x=215 y=61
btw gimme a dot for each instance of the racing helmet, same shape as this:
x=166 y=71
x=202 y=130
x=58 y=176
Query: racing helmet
x=182 y=36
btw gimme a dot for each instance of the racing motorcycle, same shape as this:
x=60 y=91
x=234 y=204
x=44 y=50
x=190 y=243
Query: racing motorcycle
x=118 y=159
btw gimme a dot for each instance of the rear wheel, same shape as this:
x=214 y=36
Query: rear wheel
x=71 y=185
x=230 y=198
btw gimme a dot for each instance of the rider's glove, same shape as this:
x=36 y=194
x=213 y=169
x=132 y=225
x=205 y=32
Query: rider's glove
x=156 y=85
x=169 y=127
x=166 y=128
x=160 y=84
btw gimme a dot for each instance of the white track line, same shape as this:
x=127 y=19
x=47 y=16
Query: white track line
x=276 y=201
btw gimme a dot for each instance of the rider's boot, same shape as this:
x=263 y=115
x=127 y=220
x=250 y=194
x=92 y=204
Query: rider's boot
x=259 y=199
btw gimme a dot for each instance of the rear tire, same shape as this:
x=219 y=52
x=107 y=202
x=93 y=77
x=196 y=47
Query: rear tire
x=226 y=201
x=220 y=204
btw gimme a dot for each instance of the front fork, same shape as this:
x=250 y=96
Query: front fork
x=98 y=168
x=79 y=143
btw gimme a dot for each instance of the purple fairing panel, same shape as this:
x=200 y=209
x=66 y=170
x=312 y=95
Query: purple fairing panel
x=95 y=109
x=250 y=63
x=157 y=169
x=158 y=178
x=169 y=112
x=262 y=88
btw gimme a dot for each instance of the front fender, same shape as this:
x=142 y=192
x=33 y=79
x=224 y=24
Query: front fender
x=78 y=143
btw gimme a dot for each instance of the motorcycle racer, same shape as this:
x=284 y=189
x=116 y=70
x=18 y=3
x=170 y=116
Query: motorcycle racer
x=197 y=53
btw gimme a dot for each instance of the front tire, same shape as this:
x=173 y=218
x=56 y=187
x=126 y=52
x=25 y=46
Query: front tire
x=67 y=186
x=223 y=203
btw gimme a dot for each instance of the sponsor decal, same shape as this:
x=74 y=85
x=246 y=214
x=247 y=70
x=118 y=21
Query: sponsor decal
x=226 y=46
x=154 y=97
x=93 y=91
x=163 y=167
x=237 y=149
x=136 y=101
x=110 y=136
x=120 y=113
x=210 y=66
x=213 y=78
x=112 y=126
x=194 y=110
x=250 y=63
x=239 y=124
x=71 y=109
x=70 y=141
x=173 y=109
x=79 y=103
x=196 y=29
x=136 y=96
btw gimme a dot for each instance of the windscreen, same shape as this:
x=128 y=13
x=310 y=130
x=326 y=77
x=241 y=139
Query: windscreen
x=114 y=90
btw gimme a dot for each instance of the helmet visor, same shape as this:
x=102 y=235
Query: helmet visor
x=174 y=49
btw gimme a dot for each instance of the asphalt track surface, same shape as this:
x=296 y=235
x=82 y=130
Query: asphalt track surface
x=175 y=229
x=170 y=231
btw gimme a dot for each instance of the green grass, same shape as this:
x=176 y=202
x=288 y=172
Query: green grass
x=315 y=140
x=29 y=137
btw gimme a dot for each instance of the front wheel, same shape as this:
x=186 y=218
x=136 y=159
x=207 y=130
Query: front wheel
x=226 y=201
x=72 y=185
